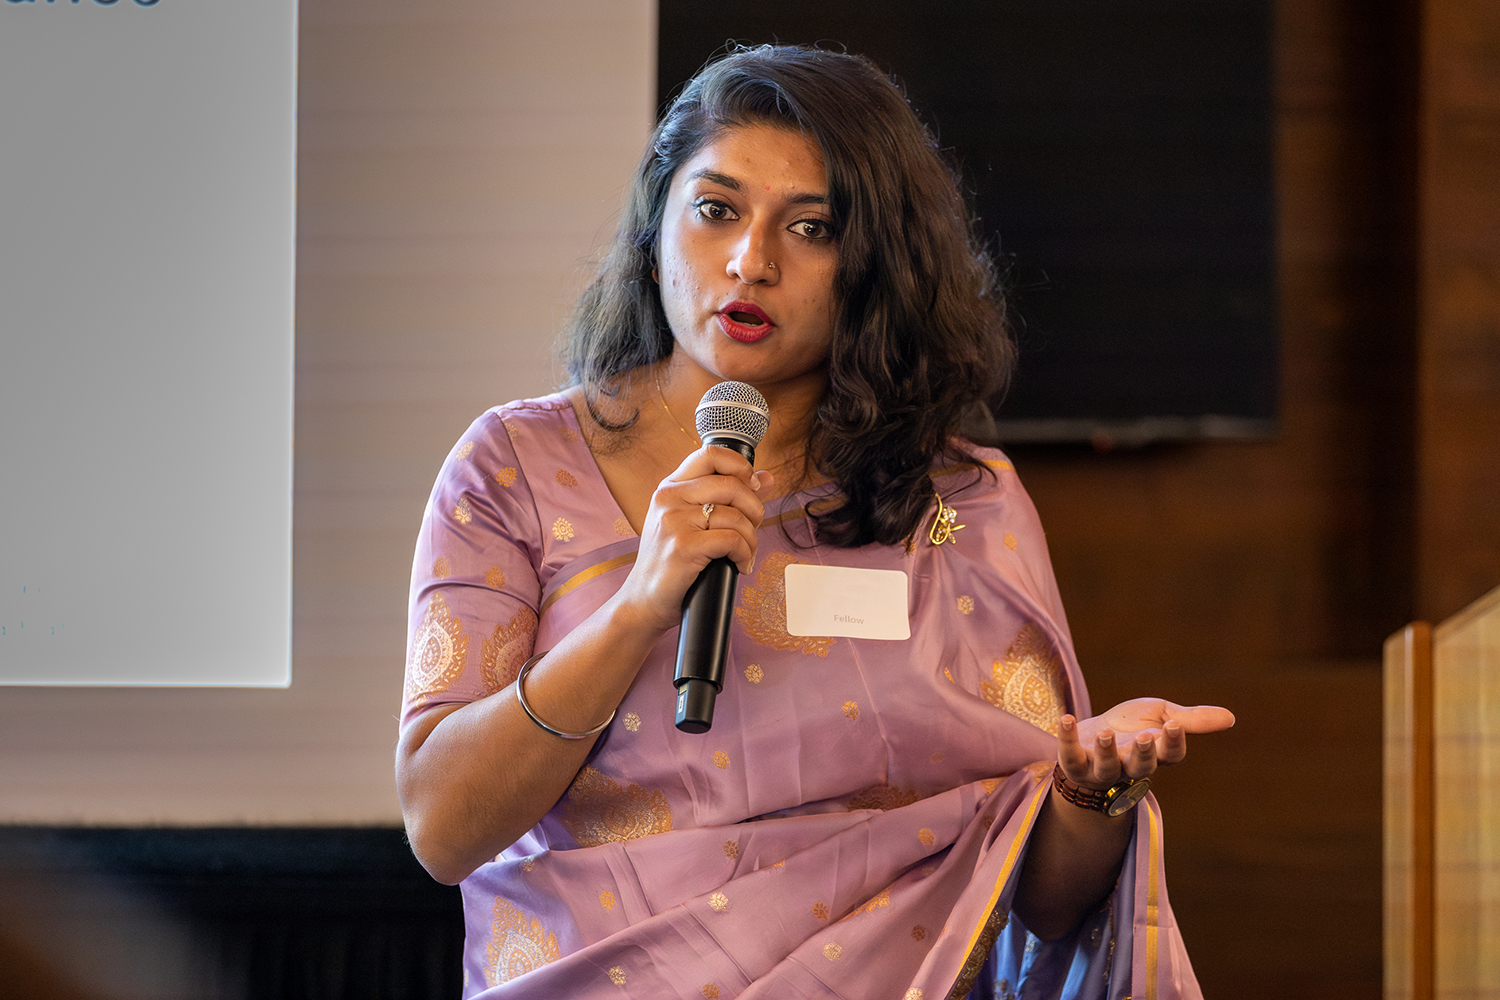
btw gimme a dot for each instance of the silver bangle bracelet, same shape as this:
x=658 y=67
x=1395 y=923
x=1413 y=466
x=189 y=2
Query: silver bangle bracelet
x=521 y=697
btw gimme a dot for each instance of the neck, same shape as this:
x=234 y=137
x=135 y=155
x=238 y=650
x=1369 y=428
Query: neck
x=792 y=407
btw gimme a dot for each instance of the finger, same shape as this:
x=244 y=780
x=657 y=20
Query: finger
x=743 y=542
x=726 y=532
x=712 y=460
x=712 y=487
x=1070 y=753
x=1172 y=745
x=710 y=518
x=1106 y=769
x=724 y=492
x=1142 y=760
x=1201 y=718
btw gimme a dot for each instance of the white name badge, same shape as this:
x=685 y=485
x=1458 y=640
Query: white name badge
x=842 y=600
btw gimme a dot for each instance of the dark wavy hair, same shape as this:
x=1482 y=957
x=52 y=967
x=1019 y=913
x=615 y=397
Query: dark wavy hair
x=920 y=334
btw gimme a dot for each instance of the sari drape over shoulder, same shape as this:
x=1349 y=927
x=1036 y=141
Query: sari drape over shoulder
x=853 y=823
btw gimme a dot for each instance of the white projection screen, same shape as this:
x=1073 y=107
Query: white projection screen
x=147 y=184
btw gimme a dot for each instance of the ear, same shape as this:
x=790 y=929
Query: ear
x=654 y=278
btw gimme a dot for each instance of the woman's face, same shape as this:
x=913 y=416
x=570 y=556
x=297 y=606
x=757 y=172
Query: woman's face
x=747 y=259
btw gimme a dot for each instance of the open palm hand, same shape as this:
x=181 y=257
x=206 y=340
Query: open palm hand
x=1132 y=739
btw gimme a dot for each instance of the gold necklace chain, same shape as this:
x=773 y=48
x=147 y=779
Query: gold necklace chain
x=656 y=372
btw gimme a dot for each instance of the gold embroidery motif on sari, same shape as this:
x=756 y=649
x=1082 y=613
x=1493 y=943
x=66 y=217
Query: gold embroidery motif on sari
x=762 y=610
x=601 y=811
x=562 y=530
x=507 y=648
x=566 y=478
x=1028 y=683
x=439 y=652
x=517 y=945
x=494 y=578
x=466 y=449
x=462 y=512
x=883 y=797
x=506 y=477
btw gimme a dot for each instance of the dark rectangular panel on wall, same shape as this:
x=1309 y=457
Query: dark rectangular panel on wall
x=1119 y=153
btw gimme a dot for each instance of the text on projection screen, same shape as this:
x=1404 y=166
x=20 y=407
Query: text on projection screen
x=146 y=265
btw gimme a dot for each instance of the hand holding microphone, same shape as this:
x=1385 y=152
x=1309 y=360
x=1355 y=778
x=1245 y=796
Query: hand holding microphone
x=731 y=415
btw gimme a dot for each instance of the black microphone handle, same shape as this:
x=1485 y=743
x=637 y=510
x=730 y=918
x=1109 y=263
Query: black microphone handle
x=703 y=644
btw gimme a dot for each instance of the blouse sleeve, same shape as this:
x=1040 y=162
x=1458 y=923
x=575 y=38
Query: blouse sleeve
x=474 y=587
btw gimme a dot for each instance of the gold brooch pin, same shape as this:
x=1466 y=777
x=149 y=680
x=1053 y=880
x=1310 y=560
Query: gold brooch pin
x=944 y=523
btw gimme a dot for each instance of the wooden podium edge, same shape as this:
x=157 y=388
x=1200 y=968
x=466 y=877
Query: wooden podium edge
x=1408 y=899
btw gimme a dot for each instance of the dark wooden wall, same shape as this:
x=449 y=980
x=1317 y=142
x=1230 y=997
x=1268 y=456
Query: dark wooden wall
x=1263 y=576
x=1458 y=425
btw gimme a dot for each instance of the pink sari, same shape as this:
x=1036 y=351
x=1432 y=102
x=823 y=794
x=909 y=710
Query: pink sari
x=853 y=823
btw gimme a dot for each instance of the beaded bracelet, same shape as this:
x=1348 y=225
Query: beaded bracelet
x=521 y=697
x=1115 y=800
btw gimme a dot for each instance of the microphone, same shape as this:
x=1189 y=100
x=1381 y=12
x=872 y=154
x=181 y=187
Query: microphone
x=731 y=415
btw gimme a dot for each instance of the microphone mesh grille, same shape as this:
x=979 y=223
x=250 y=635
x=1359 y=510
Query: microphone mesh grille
x=733 y=409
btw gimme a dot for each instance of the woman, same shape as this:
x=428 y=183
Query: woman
x=867 y=817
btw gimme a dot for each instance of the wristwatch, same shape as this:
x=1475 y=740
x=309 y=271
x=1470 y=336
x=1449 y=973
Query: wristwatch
x=1116 y=800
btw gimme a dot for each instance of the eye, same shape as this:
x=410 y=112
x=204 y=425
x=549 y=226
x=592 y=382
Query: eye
x=813 y=229
x=714 y=211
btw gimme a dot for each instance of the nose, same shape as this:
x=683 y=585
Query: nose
x=753 y=258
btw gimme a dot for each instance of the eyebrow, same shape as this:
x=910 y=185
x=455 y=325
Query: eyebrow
x=724 y=180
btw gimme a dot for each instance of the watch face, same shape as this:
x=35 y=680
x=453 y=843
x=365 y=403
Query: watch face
x=1123 y=798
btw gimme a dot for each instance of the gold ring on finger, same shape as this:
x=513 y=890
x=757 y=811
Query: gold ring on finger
x=708 y=510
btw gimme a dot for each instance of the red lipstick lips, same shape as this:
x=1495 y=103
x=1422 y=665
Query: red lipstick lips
x=745 y=321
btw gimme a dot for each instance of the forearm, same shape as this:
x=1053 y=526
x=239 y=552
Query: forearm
x=1072 y=862
x=472 y=780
